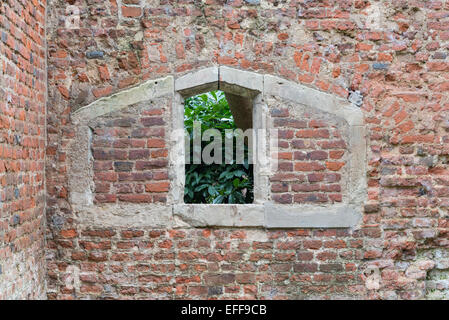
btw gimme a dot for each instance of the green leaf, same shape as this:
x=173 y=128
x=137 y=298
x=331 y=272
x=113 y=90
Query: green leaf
x=218 y=200
x=212 y=190
x=239 y=173
x=201 y=187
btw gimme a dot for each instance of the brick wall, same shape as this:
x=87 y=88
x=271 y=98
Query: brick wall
x=392 y=53
x=130 y=155
x=22 y=149
x=311 y=157
x=205 y=263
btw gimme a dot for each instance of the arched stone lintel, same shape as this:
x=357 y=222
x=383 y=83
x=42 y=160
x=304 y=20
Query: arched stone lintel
x=148 y=90
x=313 y=98
x=234 y=81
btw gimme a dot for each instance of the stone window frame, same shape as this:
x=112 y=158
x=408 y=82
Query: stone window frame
x=246 y=85
x=260 y=214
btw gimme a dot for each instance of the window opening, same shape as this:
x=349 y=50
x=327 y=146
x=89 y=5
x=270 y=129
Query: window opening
x=219 y=149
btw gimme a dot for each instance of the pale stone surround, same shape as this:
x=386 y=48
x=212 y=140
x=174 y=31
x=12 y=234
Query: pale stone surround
x=175 y=213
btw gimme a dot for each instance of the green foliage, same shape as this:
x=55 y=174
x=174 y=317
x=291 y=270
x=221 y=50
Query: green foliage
x=215 y=183
x=211 y=109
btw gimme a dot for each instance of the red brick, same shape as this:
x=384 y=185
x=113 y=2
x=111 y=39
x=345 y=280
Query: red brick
x=308 y=166
x=157 y=187
x=131 y=12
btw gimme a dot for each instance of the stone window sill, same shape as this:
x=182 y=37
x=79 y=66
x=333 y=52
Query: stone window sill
x=270 y=216
x=263 y=216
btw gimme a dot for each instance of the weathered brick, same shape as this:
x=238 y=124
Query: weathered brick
x=404 y=112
